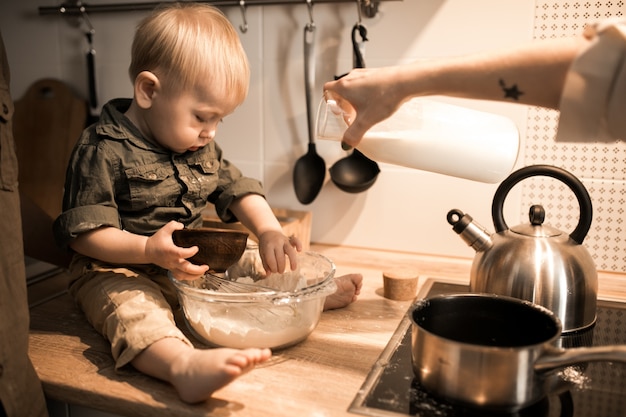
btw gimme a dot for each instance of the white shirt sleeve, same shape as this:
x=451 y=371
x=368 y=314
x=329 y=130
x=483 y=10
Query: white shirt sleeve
x=593 y=104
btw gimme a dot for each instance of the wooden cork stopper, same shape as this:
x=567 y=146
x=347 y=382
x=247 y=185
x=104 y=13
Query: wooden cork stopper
x=400 y=283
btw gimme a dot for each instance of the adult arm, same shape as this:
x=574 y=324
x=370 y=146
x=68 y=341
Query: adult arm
x=531 y=74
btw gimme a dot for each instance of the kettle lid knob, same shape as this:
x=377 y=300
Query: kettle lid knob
x=536 y=215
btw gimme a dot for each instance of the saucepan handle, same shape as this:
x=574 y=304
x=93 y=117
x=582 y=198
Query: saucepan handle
x=555 y=358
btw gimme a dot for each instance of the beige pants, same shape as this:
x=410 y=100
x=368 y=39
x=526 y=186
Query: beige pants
x=131 y=307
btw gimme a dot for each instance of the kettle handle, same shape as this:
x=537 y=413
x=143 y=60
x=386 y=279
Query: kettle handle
x=584 y=201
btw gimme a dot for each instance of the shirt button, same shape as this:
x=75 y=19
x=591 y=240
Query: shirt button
x=152 y=176
x=208 y=164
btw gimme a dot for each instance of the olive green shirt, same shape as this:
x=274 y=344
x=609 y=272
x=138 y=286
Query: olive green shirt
x=117 y=178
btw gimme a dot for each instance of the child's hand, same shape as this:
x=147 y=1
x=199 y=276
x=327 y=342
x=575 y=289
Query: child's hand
x=162 y=251
x=274 y=246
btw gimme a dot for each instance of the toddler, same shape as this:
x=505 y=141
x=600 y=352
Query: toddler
x=148 y=167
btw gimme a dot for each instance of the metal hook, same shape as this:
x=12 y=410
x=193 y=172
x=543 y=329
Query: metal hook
x=370 y=7
x=358 y=9
x=311 y=23
x=244 y=27
x=90 y=29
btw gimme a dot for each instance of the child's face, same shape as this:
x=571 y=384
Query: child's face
x=188 y=121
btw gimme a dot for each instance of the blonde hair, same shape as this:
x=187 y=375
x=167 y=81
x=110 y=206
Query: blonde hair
x=191 y=44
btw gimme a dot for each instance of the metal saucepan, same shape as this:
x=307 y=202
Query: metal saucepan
x=492 y=351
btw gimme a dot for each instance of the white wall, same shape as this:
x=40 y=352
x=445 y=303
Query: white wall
x=405 y=209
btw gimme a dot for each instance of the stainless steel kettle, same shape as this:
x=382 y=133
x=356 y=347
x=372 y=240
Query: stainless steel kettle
x=535 y=262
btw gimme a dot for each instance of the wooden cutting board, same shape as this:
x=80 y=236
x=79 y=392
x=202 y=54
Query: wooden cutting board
x=47 y=122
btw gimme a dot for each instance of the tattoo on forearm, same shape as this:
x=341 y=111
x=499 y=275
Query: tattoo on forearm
x=511 y=92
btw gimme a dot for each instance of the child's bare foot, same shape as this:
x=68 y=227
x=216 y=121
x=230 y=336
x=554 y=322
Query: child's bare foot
x=196 y=373
x=348 y=288
x=204 y=371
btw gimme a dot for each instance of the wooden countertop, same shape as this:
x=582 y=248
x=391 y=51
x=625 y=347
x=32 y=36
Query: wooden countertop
x=318 y=377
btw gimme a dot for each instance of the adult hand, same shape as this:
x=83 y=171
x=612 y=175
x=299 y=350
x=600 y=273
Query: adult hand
x=367 y=93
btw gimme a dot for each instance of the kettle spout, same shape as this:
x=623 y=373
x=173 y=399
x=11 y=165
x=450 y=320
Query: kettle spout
x=471 y=232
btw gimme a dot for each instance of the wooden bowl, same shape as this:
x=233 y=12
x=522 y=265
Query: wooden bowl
x=218 y=248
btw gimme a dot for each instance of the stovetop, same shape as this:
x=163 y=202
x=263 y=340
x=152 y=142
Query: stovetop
x=596 y=390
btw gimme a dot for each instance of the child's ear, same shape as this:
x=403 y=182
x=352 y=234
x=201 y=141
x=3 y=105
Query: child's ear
x=146 y=87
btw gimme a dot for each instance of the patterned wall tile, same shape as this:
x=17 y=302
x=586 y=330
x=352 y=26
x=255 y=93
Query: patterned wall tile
x=585 y=160
x=601 y=167
x=605 y=239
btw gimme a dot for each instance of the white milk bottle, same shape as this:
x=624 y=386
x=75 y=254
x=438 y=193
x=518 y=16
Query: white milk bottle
x=434 y=136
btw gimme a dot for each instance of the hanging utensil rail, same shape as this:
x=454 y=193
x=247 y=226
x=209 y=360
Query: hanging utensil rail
x=72 y=8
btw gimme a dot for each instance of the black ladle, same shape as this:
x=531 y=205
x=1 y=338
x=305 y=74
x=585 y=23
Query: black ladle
x=310 y=169
x=356 y=172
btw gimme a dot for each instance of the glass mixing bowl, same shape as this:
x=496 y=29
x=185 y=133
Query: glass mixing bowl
x=273 y=319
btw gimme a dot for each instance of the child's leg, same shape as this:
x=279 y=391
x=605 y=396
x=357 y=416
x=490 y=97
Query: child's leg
x=196 y=373
x=348 y=288
x=132 y=311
